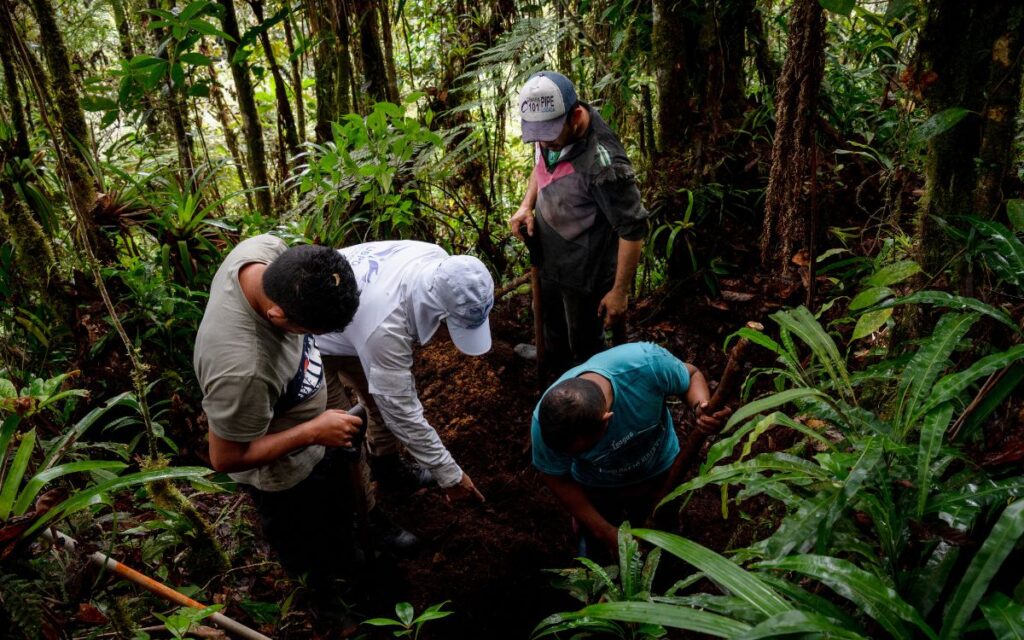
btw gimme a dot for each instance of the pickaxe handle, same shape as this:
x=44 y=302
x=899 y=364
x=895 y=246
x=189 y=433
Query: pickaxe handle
x=729 y=381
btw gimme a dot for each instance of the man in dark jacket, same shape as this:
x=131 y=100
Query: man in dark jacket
x=583 y=204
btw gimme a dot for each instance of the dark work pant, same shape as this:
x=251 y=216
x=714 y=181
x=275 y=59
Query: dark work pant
x=310 y=525
x=572 y=329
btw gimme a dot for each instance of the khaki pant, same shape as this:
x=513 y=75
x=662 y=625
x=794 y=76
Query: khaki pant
x=345 y=380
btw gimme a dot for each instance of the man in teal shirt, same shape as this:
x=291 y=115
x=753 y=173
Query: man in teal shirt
x=603 y=436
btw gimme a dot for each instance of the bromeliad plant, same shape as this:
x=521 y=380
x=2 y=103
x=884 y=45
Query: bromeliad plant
x=29 y=463
x=886 y=505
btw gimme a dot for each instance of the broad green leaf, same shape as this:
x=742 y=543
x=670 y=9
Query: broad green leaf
x=724 y=447
x=766 y=462
x=815 y=517
x=97 y=103
x=893 y=273
x=977 y=495
x=792 y=622
x=193 y=9
x=761 y=405
x=952 y=385
x=995 y=397
x=806 y=600
x=870 y=322
x=802 y=323
x=666 y=615
x=7 y=429
x=939 y=123
x=57 y=449
x=405 y=612
x=1005 y=617
x=870 y=297
x=959 y=303
x=88 y=496
x=12 y=480
x=932 y=431
x=35 y=485
x=1008 y=258
x=194 y=57
x=842 y=7
x=924 y=368
x=177 y=75
x=874 y=597
x=983 y=568
x=723 y=572
x=1015 y=212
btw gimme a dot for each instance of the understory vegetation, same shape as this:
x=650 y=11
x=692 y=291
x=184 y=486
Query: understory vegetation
x=847 y=172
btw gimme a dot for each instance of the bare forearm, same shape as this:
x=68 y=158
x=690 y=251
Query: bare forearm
x=530 y=197
x=570 y=493
x=698 y=391
x=628 y=258
x=332 y=428
x=229 y=456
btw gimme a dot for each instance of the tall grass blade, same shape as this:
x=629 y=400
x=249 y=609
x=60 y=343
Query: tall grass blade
x=38 y=481
x=766 y=462
x=720 y=570
x=792 y=622
x=866 y=590
x=952 y=385
x=666 y=615
x=932 y=432
x=12 y=481
x=84 y=498
x=801 y=322
x=983 y=567
x=1004 y=616
x=924 y=368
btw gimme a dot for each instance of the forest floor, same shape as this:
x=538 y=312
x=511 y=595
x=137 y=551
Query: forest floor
x=489 y=559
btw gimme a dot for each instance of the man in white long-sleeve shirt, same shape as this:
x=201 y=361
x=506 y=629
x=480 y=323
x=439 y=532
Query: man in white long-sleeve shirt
x=406 y=288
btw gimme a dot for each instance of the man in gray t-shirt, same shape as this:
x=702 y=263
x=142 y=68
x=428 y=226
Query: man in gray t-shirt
x=264 y=393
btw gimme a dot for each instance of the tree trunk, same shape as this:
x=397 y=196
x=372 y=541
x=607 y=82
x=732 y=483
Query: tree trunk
x=255 y=151
x=230 y=137
x=1000 y=114
x=332 y=64
x=375 y=72
x=697 y=50
x=284 y=108
x=968 y=56
x=300 y=103
x=124 y=33
x=786 y=199
x=21 y=148
x=389 y=48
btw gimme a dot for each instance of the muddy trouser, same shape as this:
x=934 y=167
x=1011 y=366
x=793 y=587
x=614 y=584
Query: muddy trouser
x=572 y=329
x=310 y=525
x=345 y=378
x=617 y=505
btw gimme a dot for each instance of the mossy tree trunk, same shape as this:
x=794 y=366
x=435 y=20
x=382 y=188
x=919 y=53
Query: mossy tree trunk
x=787 y=210
x=246 y=97
x=332 y=63
x=296 y=78
x=375 y=73
x=18 y=119
x=389 y=47
x=968 y=56
x=284 y=107
x=698 y=49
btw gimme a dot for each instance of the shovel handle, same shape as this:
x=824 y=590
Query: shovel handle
x=352 y=451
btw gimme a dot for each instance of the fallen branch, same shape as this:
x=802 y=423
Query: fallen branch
x=512 y=286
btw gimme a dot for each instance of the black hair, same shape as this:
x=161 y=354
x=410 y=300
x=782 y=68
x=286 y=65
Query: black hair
x=570 y=410
x=314 y=286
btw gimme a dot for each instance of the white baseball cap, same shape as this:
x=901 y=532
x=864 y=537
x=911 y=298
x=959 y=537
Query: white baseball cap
x=466 y=291
x=543 y=105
